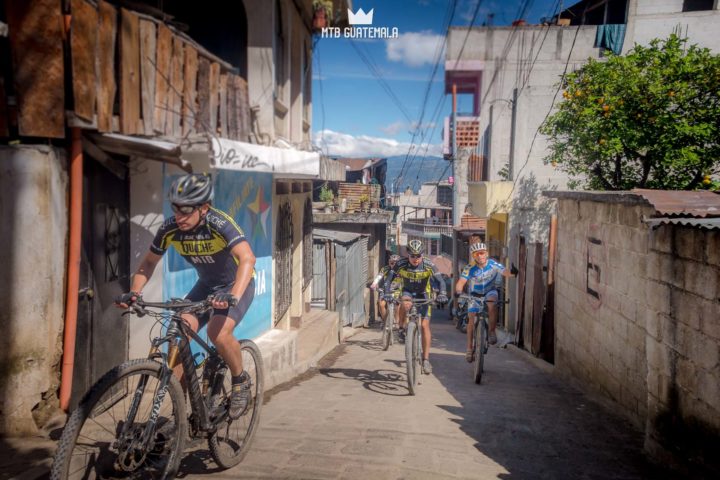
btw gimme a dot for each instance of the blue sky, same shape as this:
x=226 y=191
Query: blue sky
x=353 y=113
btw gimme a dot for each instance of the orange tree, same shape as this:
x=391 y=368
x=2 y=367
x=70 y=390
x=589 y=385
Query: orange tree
x=648 y=119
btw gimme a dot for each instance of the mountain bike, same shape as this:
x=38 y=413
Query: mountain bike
x=387 y=333
x=480 y=343
x=132 y=423
x=413 y=343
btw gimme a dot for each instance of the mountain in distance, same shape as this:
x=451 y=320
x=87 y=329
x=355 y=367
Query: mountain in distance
x=417 y=171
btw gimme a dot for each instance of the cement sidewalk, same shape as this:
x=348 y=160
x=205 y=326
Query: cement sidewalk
x=286 y=354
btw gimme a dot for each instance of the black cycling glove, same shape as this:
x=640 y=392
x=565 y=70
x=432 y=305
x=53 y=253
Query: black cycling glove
x=127 y=298
x=226 y=297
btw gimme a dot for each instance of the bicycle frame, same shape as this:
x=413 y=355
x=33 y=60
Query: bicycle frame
x=176 y=337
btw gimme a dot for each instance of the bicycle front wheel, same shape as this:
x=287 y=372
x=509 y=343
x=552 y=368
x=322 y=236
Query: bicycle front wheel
x=105 y=436
x=387 y=329
x=411 y=353
x=231 y=441
x=480 y=340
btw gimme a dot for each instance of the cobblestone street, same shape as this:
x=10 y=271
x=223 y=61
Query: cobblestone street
x=352 y=417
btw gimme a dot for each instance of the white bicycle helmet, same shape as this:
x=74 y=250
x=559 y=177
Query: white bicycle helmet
x=478 y=247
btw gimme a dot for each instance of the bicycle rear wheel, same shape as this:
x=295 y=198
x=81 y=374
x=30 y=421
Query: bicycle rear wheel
x=411 y=353
x=231 y=441
x=480 y=340
x=101 y=437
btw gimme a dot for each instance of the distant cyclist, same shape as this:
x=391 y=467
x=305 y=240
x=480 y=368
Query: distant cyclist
x=380 y=284
x=482 y=275
x=415 y=273
x=215 y=245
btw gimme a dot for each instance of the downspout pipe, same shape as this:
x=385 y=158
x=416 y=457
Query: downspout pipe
x=73 y=267
x=72 y=283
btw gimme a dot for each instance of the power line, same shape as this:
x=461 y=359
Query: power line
x=449 y=17
x=552 y=105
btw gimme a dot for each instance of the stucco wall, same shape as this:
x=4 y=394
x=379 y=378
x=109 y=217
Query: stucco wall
x=33 y=205
x=650 y=19
x=649 y=341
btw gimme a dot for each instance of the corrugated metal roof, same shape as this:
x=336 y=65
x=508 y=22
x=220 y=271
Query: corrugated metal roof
x=356 y=164
x=342 y=237
x=709 y=223
x=678 y=202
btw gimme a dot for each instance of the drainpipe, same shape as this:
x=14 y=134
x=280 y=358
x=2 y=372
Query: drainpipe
x=73 y=267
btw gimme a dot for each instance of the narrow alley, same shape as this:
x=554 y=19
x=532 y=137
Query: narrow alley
x=352 y=417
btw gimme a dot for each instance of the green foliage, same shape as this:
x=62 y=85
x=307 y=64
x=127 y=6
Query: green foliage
x=649 y=119
x=504 y=172
x=326 y=5
x=326 y=193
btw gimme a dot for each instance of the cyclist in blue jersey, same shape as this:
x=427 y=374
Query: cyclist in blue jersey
x=483 y=275
x=216 y=247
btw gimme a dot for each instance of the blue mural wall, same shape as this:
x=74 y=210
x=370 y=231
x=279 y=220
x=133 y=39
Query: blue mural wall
x=247 y=198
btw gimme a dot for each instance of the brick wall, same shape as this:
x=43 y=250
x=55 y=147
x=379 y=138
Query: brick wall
x=637 y=316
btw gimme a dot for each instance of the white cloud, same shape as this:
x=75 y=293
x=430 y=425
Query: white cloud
x=415 y=49
x=345 y=145
x=396 y=127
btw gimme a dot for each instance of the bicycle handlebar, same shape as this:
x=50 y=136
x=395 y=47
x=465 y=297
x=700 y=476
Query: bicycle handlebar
x=140 y=306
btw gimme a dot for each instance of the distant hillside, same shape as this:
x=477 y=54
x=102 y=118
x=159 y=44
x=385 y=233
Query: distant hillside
x=416 y=173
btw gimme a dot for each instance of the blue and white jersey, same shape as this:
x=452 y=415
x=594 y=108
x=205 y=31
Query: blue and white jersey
x=483 y=279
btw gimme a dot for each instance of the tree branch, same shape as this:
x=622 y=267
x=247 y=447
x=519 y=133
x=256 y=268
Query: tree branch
x=597 y=170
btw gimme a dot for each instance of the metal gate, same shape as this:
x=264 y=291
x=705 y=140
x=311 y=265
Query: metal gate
x=356 y=259
x=283 y=260
x=307 y=243
x=319 y=277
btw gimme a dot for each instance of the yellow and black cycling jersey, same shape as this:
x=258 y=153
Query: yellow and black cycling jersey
x=207 y=247
x=416 y=280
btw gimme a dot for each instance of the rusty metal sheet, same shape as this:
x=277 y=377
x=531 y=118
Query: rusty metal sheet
x=162 y=77
x=83 y=43
x=148 y=48
x=38 y=66
x=107 y=87
x=538 y=299
x=190 y=90
x=129 y=72
x=686 y=203
x=709 y=223
x=522 y=268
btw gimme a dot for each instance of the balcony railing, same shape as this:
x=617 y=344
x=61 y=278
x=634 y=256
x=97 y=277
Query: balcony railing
x=427 y=230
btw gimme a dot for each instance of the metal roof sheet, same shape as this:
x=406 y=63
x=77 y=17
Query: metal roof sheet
x=709 y=223
x=342 y=237
x=679 y=202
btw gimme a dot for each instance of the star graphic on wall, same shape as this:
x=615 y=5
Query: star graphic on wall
x=259 y=210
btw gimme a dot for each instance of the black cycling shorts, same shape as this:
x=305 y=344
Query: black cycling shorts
x=423 y=310
x=201 y=291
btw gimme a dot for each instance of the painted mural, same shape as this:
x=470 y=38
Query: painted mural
x=247 y=198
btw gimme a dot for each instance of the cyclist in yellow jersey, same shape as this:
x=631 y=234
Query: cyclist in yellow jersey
x=216 y=246
x=415 y=273
x=380 y=284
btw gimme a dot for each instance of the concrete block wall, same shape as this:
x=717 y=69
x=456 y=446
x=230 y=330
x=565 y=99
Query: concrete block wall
x=683 y=342
x=650 y=344
x=601 y=341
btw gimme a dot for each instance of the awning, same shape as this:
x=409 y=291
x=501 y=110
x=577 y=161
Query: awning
x=248 y=157
x=137 y=147
x=336 y=236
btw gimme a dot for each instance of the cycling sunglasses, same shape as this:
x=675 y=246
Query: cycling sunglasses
x=184 y=209
x=415 y=256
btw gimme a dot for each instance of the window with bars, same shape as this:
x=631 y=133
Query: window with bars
x=307 y=243
x=283 y=261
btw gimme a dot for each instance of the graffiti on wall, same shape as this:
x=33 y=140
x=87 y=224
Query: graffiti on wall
x=246 y=197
